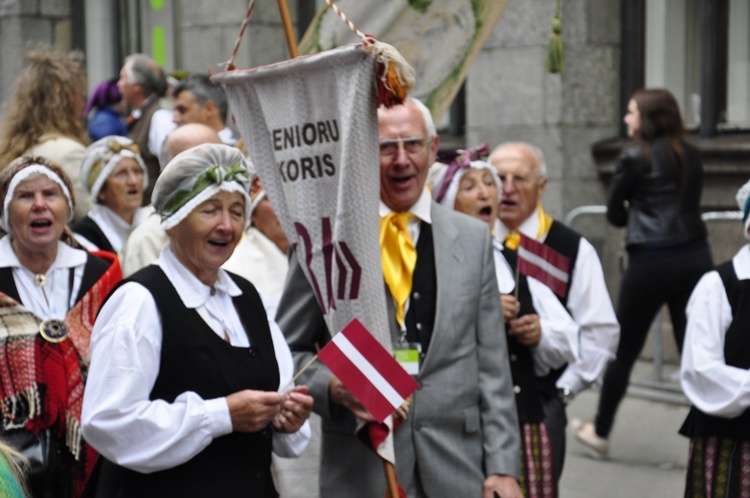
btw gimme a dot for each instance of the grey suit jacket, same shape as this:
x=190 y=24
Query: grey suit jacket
x=462 y=425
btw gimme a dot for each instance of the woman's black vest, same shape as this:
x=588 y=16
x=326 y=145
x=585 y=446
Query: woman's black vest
x=565 y=241
x=194 y=358
x=93 y=233
x=528 y=396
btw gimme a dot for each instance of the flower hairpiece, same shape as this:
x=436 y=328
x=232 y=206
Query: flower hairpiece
x=117 y=147
x=462 y=160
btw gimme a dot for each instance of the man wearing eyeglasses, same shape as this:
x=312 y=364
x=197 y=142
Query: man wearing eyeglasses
x=460 y=437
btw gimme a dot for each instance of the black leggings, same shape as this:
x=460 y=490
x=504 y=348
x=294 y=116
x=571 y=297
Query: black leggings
x=652 y=279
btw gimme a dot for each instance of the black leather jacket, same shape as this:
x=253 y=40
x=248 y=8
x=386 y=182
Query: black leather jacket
x=648 y=201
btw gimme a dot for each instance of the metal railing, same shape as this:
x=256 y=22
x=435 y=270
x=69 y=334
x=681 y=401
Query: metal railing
x=658 y=381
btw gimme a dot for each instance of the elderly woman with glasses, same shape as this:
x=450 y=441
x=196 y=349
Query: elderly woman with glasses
x=541 y=334
x=201 y=372
x=115 y=175
x=50 y=291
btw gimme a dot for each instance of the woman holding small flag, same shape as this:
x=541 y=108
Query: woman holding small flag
x=655 y=193
x=541 y=333
x=197 y=364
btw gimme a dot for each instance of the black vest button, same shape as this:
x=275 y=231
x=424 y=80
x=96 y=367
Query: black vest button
x=251 y=352
x=419 y=326
x=416 y=296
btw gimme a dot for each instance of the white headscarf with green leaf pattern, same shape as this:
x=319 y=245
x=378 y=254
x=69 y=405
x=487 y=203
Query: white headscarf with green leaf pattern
x=196 y=175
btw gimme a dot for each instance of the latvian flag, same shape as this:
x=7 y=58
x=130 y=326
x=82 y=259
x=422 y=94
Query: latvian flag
x=367 y=370
x=543 y=263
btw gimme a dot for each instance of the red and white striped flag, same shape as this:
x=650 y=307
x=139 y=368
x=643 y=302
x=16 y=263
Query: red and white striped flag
x=367 y=370
x=543 y=263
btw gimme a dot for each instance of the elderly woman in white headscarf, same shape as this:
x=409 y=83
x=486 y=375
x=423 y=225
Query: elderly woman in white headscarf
x=49 y=290
x=114 y=174
x=184 y=390
x=714 y=372
x=541 y=334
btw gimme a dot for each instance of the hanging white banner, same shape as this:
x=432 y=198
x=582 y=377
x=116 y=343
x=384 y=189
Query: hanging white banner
x=310 y=124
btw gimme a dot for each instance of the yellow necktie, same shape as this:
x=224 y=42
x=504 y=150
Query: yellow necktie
x=399 y=258
x=513 y=239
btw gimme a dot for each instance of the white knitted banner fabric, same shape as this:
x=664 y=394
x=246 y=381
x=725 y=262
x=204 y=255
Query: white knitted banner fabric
x=310 y=125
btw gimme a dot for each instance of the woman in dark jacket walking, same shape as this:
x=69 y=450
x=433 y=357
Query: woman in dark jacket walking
x=656 y=194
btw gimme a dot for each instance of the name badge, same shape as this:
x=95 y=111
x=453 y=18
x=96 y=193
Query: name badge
x=407 y=355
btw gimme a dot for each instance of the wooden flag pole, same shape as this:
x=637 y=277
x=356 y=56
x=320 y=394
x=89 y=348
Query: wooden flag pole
x=390 y=478
x=294 y=379
x=515 y=291
x=286 y=20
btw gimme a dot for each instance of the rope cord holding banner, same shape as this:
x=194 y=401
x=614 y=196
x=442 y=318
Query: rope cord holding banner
x=395 y=74
x=229 y=65
x=364 y=37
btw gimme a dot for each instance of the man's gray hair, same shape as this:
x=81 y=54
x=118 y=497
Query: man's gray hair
x=142 y=69
x=541 y=165
x=203 y=90
x=429 y=124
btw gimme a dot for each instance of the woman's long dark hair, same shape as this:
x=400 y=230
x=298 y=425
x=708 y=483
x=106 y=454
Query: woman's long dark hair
x=661 y=120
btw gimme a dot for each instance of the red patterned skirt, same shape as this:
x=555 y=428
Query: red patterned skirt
x=718 y=467
x=537 y=472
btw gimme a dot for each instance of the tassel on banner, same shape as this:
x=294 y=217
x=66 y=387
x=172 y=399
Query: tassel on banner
x=555 y=56
x=395 y=75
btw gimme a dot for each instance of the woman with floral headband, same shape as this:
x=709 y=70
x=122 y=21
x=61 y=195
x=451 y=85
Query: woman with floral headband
x=50 y=292
x=115 y=175
x=201 y=372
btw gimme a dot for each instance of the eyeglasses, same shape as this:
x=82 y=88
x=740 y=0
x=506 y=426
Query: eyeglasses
x=412 y=146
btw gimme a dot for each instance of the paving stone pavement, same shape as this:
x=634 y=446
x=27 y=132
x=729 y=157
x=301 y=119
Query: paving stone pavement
x=647 y=456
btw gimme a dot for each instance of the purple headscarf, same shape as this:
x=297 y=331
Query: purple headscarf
x=105 y=94
x=461 y=159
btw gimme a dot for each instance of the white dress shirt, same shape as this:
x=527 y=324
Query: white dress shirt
x=559 y=340
x=121 y=422
x=226 y=135
x=709 y=383
x=161 y=126
x=591 y=308
x=115 y=228
x=258 y=259
x=60 y=296
x=143 y=245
